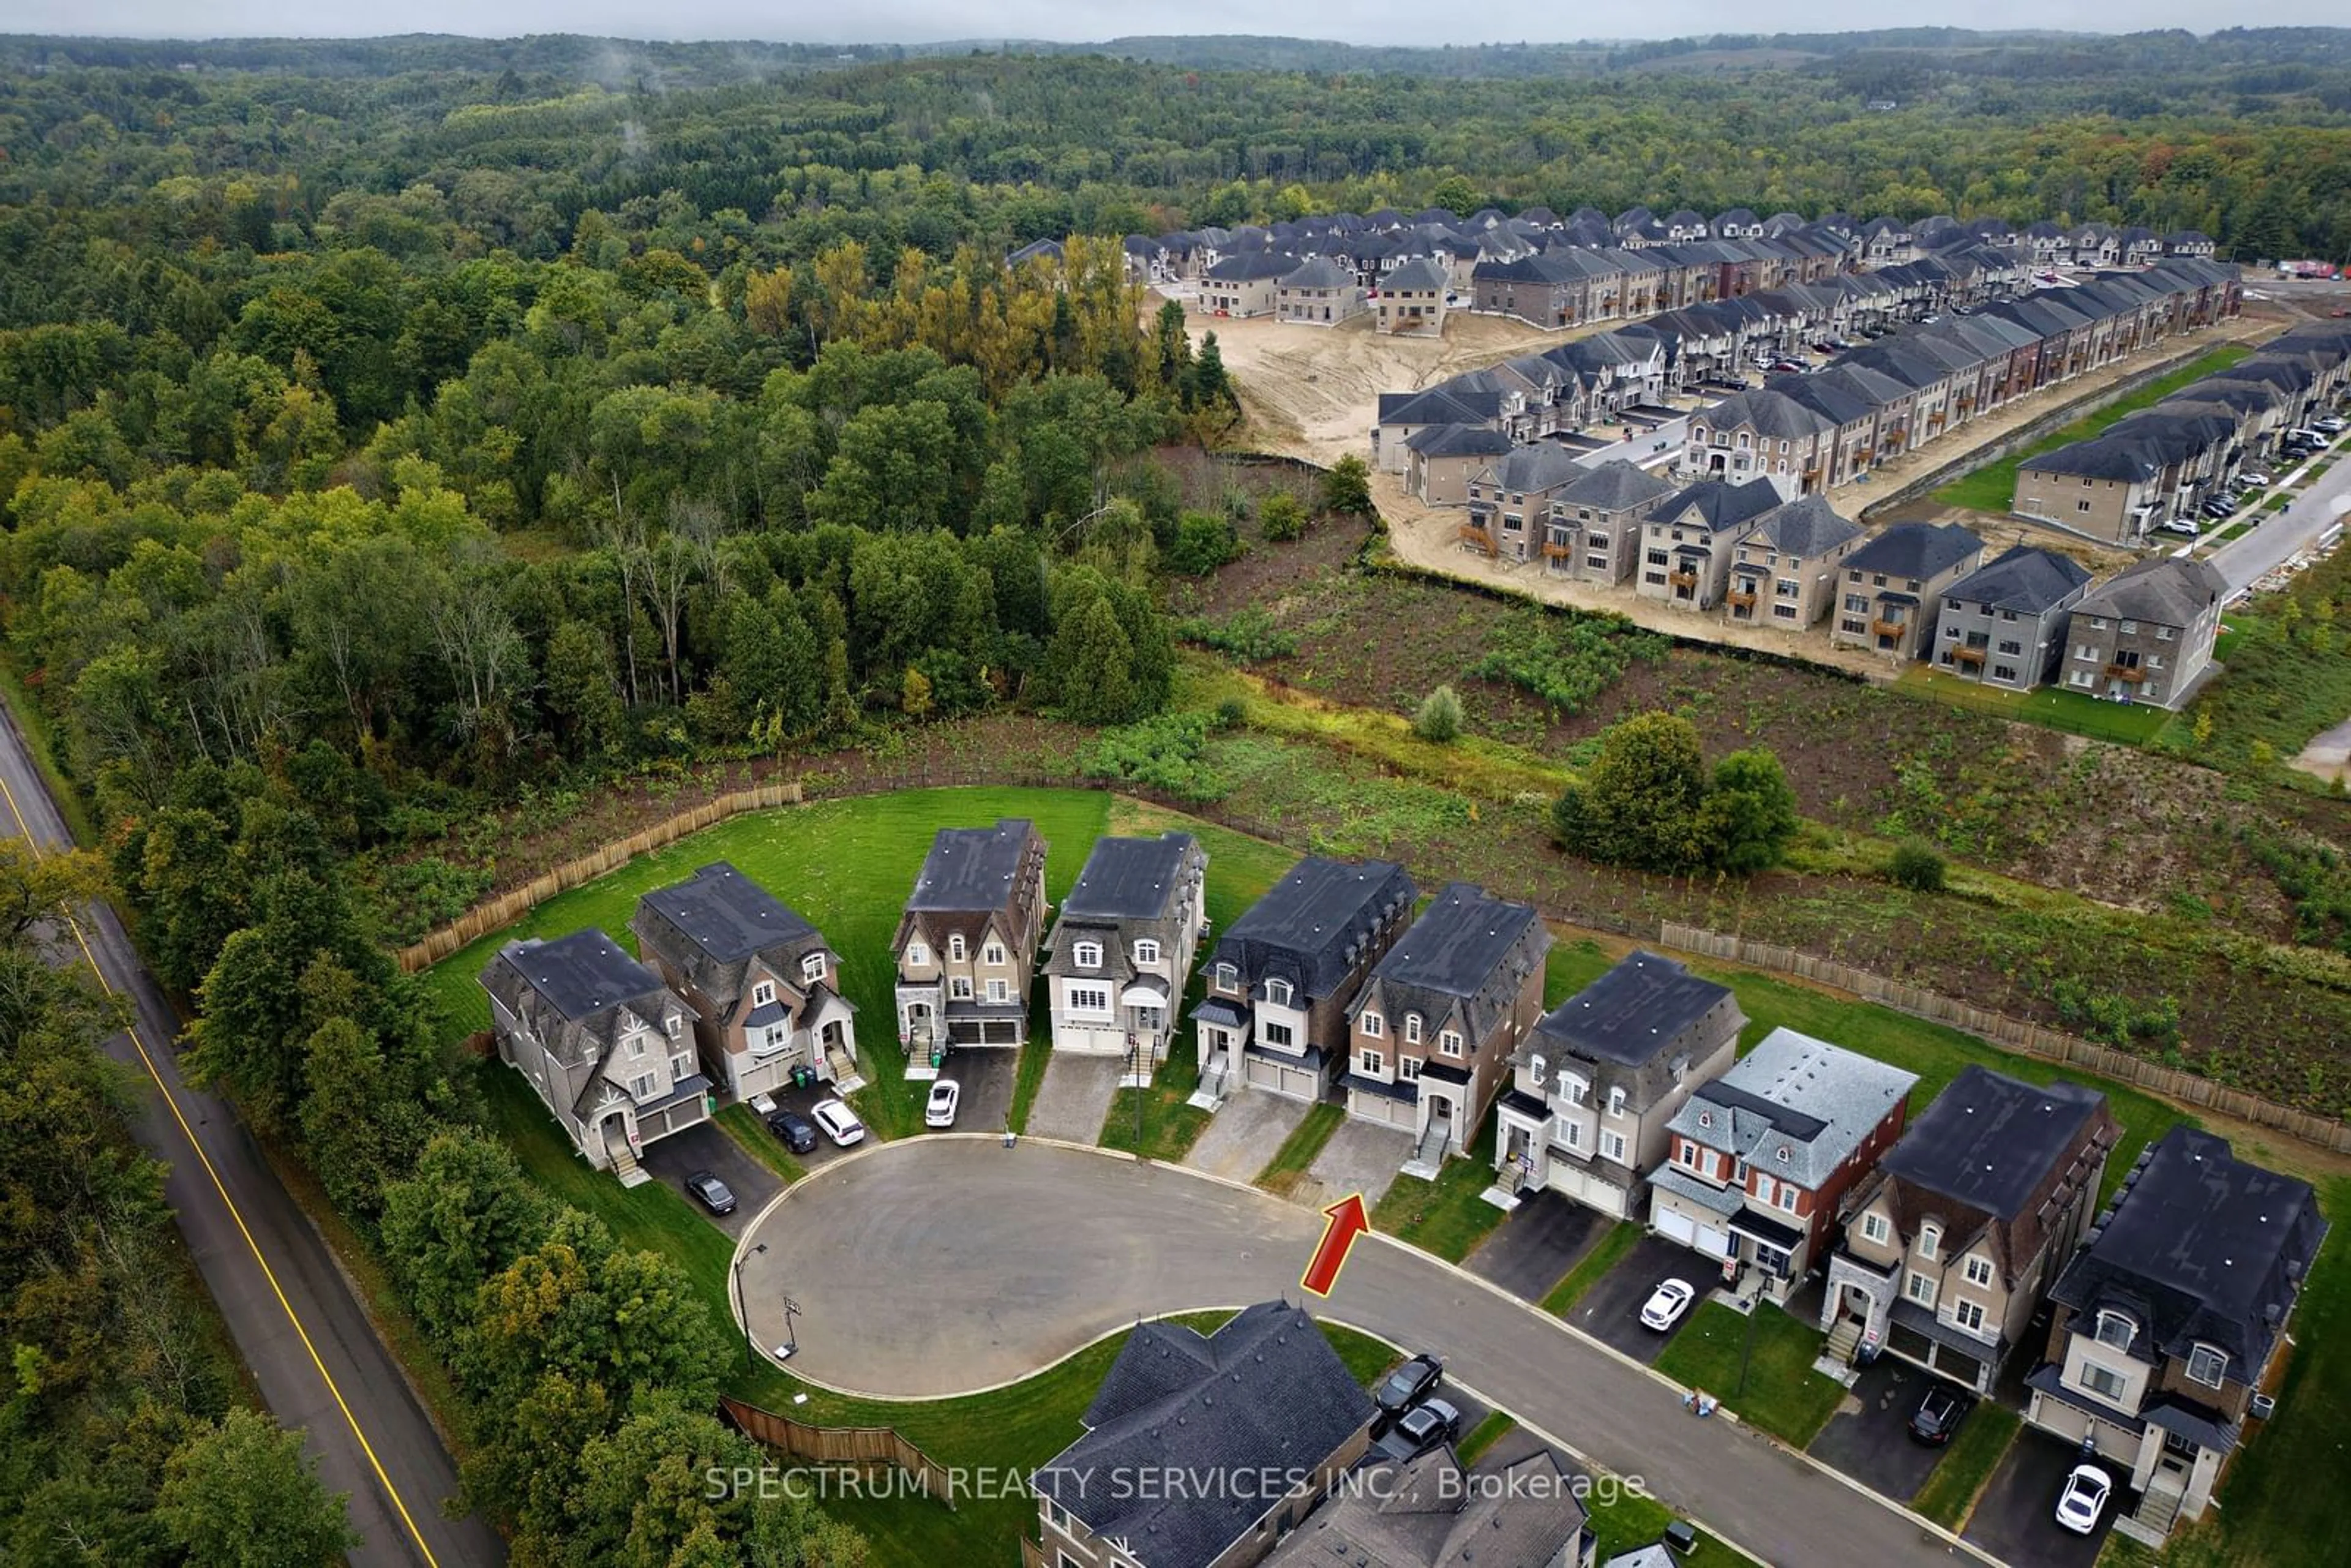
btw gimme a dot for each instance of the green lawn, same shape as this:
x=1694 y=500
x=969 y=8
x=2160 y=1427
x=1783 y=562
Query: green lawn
x=1973 y=1455
x=1001 y=1435
x=1606 y=1253
x=1992 y=487
x=1497 y=1425
x=2123 y=723
x=1283 y=1172
x=1447 y=1216
x=742 y=1123
x=1780 y=1393
x=1624 y=1521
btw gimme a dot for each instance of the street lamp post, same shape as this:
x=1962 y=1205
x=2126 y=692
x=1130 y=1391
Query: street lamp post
x=751 y=1356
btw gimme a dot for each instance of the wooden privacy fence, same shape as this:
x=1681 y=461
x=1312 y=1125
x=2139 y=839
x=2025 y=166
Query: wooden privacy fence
x=497 y=913
x=2015 y=1034
x=858 y=1447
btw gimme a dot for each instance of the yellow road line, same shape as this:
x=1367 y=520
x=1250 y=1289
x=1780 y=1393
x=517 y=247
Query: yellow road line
x=131 y=1028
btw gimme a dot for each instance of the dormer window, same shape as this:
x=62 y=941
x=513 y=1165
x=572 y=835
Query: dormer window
x=1930 y=1236
x=1979 y=1269
x=2208 y=1364
x=1783 y=1154
x=1278 y=992
x=1373 y=1025
x=2116 y=1329
x=1412 y=1028
x=1874 y=1228
x=1146 y=951
x=813 y=969
x=993 y=955
x=1087 y=954
x=1227 y=977
x=672 y=1024
x=955 y=950
x=636 y=1043
x=1706 y=1118
x=1535 y=1067
x=1616 y=1101
x=763 y=994
x=917 y=954
x=1449 y=1042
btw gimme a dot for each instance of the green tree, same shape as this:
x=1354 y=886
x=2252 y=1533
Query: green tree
x=1203 y=542
x=582 y=690
x=1347 y=487
x=1282 y=517
x=244 y=1496
x=1750 y=815
x=1639 y=803
x=1439 y=718
x=463 y=1216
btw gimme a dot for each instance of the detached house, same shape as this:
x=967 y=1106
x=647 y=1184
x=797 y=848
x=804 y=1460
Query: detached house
x=1122 y=948
x=1283 y=976
x=1320 y=291
x=1430 y=1513
x=1688 y=540
x=1762 y=1157
x=1411 y=299
x=2005 y=626
x=1261 y=1413
x=2168 y=1322
x=1948 y=1248
x=606 y=1046
x=1435 y=1026
x=1785 y=574
x=1894 y=587
x=2146 y=635
x=1602 y=1074
x=763 y=984
x=966 y=944
x=1594 y=528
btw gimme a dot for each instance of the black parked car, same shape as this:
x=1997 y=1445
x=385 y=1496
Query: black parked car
x=798 y=1132
x=715 y=1194
x=1410 y=1384
x=1415 y=1432
x=1940 y=1414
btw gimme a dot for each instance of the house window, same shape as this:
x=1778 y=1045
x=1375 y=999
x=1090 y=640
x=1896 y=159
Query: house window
x=1764 y=1187
x=1227 y=977
x=1930 y=1236
x=1787 y=1194
x=2208 y=1365
x=1979 y=1269
x=1146 y=951
x=1616 y=1101
x=1535 y=1066
x=813 y=969
x=1092 y=1000
x=1448 y=1043
x=917 y=954
x=1373 y=1025
x=993 y=955
x=641 y=1087
x=1574 y=1134
x=1919 y=1288
x=1969 y=1315
x=681 y=1068
x=2116 y=1329
x=1087 y=954
x=1372 y=1062
x=1688 y=1155
x=1408 y=1068
x=1412 y=1028
x=672 y=1024
x=1278 y=992
x=2103 y=1381
x=1576 y=1091
x=1706 y=1118
x=1874 y=1229
x=996 y=992
x=1278 y=1034
x=636 y=1045
x=1611 y=1145
x=763 y=994
x=955 y=950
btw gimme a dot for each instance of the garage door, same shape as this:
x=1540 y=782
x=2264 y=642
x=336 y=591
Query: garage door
x=1582 y=1186
x=1705 y=1239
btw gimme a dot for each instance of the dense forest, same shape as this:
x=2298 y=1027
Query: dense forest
x=389 y=429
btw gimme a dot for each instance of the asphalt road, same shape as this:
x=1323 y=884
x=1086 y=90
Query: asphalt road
x=938 y=1265
x=297 y=1323
x=2247 y=558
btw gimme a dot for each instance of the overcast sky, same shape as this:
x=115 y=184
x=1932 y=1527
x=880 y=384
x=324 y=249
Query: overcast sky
x=909 y=21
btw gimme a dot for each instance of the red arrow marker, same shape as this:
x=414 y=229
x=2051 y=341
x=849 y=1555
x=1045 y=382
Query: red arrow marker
x=1347 y=1222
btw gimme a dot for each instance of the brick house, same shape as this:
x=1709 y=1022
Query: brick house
x=1892 y=587
x=1122 y=948
x=1593 y=531
x=2146 y=635
x=1688 y=540
x=2005 y=626
x=1784 y=573
x=966 y=944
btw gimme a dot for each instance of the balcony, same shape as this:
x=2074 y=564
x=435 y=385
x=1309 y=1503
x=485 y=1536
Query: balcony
x=1968 y=655
x=1682 y=578
x=2131 y=672
x=1742 y=598
x=1889 y=628
x=1560 y=551
x=1477 y=538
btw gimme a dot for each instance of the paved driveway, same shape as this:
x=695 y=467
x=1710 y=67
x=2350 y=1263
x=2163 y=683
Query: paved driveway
x=2016 y=1518
x=1076 y=1096
x=1050 y=1249
x=1244 y=1133
x=987 y=1079
x=1610 y=1311
x=1362 y=1157
x=706 y=1149
x=1869 y=1436
x=805 y=1101
x=1533 y=1248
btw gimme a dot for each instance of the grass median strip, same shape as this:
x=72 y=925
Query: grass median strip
x=742 y=1123
x=1967 y=1465
x=1605 y=1254
x=1761 y=1366
x=1288 y=1167
x=1497 y=1425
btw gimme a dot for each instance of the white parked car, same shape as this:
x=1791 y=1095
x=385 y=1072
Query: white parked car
x=838 y=1121
x=2083 y=1499
x=939 y=1111
x=1667 y=1304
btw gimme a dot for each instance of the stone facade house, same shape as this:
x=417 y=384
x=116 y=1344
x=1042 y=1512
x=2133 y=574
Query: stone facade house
x=1948 y=1248
x=1441 y=460
x=763 y=984
x=1593 y=532
x=2146 y=635
x=1244 y=284
x=1264 y=1398
x=1320 y=292
x=1283 y=976
x=607 y=1048
x=966 y=946
x=1785 y=574
x=1432 y=1029
x=2170 y=1321
x=1411 y=299
x=2005 y=626
x=1892 y=587
x=1688 y=540
x=1122 y=948
x=1753 y=434
x=1595 y=1083
x=2107 y=488
x=1510 y=499
x=1760 y=1158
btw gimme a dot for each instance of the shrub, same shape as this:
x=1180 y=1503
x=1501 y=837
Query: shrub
x=1917 y=866
x=1231 y=713
x=1565 y=659
x=1439 y=718
x=1167 y=753
x=1247 y=635
x=1283 y=517
x=1203 y=543
x=1347 y=487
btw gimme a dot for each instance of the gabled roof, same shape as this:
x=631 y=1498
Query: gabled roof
x=2100 y=457
x=2023 y=578
x=1632 y=1012
x=1416 y=276
x=1915 y=549
x=725 y=914
x=1543 y=467
x=1131 y=879
x=2200 y=1247
x=1429 y=1513
x=1814 y=1100
x=972 y=870
x=1312 y=924
x=1768 y=412
x=1718 y=505
x=1459 y=441
x=1467 y=954
x=1614 y=485
x=1319 y=273
x=1440 y=406
x=1807 y=525
x=1252 y=265
x=1265 y=1394
x=2164 y=590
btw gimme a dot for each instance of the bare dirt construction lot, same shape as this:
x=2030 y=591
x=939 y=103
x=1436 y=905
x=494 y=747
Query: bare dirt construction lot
x=1311 y=392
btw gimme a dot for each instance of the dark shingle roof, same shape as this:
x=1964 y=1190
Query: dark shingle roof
x=2023 y=578
x=1615 y=485
x=1416 y=276
x=1264 y=1395
x=1319 y=273
x=971 y=870
x=1988 y=1141
x=2117 y=457
x=1319 y=912
x=2163 y=590
x=1628 y=1014
x=1454 y=946
x=1807 y=525
x=1717 y=504
x=1128 y=879
x=726 y=913
x=1915 y=549
x=1459 y=441
x=580 y=975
